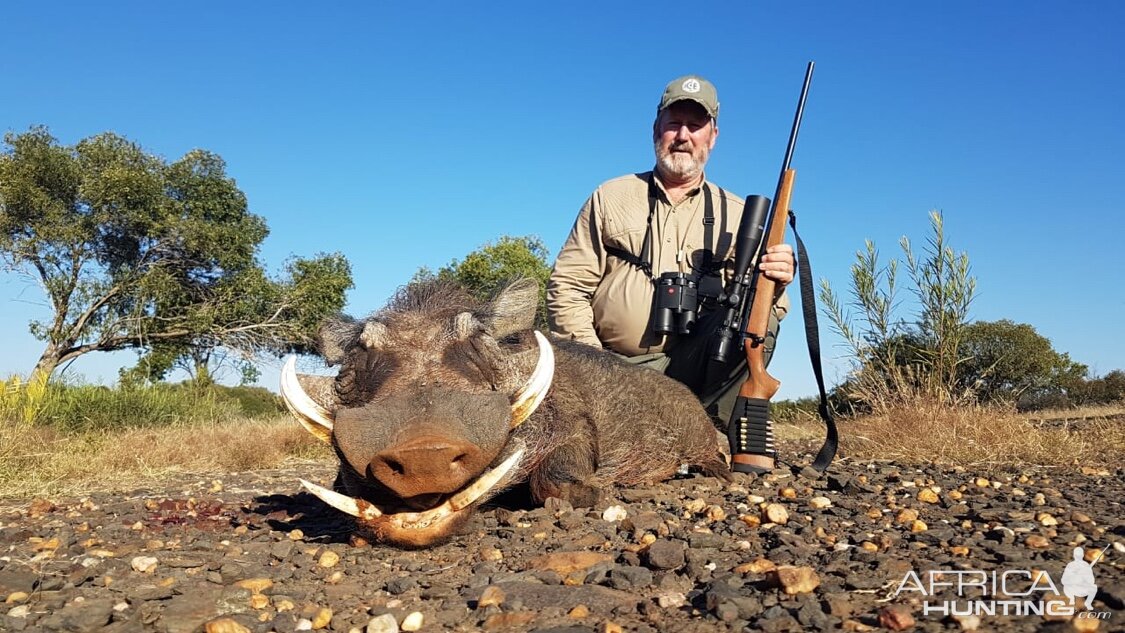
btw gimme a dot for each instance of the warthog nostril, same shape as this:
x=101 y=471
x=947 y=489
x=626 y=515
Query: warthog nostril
x=427 y=465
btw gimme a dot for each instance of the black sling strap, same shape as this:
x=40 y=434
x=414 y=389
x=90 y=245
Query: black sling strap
x=812 y=335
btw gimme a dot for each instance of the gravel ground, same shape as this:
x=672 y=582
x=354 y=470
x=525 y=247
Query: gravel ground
x=251 y=552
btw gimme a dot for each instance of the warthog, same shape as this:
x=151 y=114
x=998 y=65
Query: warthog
x=442 y=401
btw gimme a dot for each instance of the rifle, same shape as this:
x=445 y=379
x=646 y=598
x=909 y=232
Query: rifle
x=749 y=299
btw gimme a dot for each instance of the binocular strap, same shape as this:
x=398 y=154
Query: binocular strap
x=750 y=432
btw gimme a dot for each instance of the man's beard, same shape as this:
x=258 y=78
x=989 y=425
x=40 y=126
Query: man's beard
x=679 y=165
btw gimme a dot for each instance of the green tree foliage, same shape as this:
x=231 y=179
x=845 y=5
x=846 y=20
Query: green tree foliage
x=1003 y=360
x=1108 y=389
x=897 y=361
x=490 y=267
x=134 y=252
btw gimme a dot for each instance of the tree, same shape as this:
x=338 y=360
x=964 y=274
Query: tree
x=489 y=268
x=1002 y=360
x=1109 y=389
x=134 y=252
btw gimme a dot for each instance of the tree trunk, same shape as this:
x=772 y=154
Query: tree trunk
x=47 y=364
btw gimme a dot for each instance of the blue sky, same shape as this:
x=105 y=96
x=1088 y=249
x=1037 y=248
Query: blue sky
x=410 y=136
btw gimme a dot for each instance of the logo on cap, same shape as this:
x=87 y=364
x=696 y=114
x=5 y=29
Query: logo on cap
x=691 y=85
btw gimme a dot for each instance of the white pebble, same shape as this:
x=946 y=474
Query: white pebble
x=412 y=622
x=304 y=624
x=144 y=564
x=614 y=513
x=19 y=612
x=383 y=624
x=671 y=600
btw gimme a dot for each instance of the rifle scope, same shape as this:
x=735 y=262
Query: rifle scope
x=750 y=231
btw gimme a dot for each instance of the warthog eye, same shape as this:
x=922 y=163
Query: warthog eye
x=465 y=358
x=361 y=376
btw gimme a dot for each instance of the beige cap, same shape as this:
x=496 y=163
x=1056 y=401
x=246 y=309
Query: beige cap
x=696 y=89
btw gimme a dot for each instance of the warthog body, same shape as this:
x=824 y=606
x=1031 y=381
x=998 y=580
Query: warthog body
x=429 y=403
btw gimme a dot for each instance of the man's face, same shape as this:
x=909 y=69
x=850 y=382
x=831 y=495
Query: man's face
x=683 y=136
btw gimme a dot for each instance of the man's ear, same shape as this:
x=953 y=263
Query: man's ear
x=714 y=133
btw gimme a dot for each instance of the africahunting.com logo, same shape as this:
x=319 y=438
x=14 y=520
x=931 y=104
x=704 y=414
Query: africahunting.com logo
x=1009 y=592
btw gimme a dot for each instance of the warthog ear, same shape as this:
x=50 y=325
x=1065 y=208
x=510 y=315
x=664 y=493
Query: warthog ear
x=513 y=309
x=337 y=336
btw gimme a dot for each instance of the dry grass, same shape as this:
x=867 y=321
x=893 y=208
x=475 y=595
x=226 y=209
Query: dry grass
x=40 y=461
x=982 y=436
x=1088 y=412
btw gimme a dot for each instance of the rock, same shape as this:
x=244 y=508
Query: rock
x=255 y=585
x=537 y=596
x=614 y=514
x=322 y=618
x=187 y=612
x=757 y=566
x=927 y=495
x=567 y=562
x=144 y=564
x=795 y=580
x=896 y=617
x=665 y=555
x=490 y=597
x=627 y=577
x=328 y=559
x=820 y=503
x=906 y=516
x=224 y=625
x=967 y=622
x=385 y=623
x=412 y=622
x=400 y=585
x=775 y=513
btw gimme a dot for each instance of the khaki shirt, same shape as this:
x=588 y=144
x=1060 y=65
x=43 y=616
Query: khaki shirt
x=602 y=300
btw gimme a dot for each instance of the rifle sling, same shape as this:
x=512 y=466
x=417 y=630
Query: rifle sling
x=812 y=336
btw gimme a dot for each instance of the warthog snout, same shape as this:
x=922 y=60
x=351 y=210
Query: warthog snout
x=427 y=465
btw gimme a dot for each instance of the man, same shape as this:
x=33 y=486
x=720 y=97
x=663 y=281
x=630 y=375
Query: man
x=636 y=227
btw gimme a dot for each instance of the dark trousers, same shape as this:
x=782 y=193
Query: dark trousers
x=687 y=359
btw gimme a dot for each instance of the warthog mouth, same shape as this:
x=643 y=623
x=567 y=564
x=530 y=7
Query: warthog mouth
x=320 y=422
x=459 y=502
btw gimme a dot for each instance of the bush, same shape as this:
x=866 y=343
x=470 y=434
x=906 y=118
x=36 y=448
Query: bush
x=254 y=402
x=78 y=408
x=898 y=362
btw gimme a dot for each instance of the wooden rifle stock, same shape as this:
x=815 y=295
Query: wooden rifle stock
x=760 y=384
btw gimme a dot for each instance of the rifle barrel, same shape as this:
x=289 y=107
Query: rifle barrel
x=797 y=120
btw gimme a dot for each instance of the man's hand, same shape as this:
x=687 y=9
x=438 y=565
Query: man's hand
x=779 y=264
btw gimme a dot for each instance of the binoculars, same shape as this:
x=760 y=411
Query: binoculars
x=677 y=304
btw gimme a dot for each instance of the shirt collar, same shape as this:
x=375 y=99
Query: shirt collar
x=690 y=194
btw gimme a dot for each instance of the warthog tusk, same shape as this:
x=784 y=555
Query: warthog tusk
x=315 y=418
x=417 y=520
x=343 y=503
x=531 y=395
